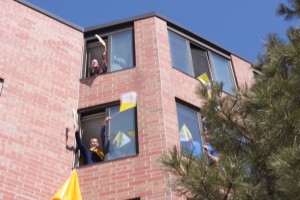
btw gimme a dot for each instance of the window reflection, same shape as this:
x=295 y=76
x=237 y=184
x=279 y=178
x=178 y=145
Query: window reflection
x=189 y=130
x=222 y=72
x=121 y=56
x=122 y=134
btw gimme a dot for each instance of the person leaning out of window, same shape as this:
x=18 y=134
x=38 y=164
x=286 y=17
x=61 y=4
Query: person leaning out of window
x=93 y=154
x=212 y=154
x=95 y=69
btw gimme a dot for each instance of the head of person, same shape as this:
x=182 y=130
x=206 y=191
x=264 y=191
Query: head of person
x=94 y=143
x=94 y=64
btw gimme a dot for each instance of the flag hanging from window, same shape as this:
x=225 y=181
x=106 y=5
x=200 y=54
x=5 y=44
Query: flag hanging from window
x=185 y=134
x=70 y=190
x=203 y=78
x=121 y=139
x=128 y=100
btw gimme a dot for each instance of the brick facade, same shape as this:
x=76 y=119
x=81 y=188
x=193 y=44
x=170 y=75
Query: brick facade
x=41 y=68
x=41 y=71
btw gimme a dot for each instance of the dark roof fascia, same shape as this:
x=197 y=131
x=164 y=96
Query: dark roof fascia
x=42 y=11
x=128 y=20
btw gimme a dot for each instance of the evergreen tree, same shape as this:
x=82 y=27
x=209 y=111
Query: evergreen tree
x=257 y=132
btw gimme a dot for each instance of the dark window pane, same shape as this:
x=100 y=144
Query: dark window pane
x=121 y=56
x=180 y=53
x=188 y=123
x=122 y=134
x=94 y=51
x=200 y=61
x=222 y=72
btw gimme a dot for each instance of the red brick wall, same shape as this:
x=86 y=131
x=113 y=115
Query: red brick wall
x=157 y=85
x=41 y=69
x=139 y=176
x=40 y=62
x=243 y=71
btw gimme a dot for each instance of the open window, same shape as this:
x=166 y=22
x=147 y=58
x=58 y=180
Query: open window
x=120 y=134
x=195 y=60
x=119 y=51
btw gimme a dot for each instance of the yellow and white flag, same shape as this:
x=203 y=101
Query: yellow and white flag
x=128 y=100
x=70 y=190
x=75 y=116
x=121 y=139
x=185 y=134
x=101 y=40
x=203 y=78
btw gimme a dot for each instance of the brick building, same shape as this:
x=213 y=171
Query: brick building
x=44 y=74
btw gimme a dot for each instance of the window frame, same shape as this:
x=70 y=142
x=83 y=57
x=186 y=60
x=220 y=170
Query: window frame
x=209 y=51
x=230 y=71
x=104 y=110
x=106 y=36
x=1 y=85
x=199 y=122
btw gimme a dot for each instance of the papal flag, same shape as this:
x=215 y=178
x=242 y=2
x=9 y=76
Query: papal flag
x=70 y=190
x=128 y=100
x=121 y=139
x=185 y=133
x=203 y=78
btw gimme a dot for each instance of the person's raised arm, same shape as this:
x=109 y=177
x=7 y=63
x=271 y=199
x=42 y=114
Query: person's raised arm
x=211 y=156
x=102 y=134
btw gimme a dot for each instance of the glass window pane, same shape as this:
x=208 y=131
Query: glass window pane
x=190 y=138
x=122 y=134
x=222 y=72
x=180 y=53
x=200 y=61
x=121 y=56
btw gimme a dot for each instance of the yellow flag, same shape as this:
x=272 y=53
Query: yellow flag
x=205 y=81
x=185 y=133
x=203 y=78
x=128 y=100
x=70 y=190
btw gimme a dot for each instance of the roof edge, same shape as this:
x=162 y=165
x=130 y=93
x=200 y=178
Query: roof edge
x=49 y=14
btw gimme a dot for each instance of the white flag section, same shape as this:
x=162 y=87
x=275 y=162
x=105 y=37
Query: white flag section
x=128 y=100
x=121 y=139
x=185 y=134
x=101 y=40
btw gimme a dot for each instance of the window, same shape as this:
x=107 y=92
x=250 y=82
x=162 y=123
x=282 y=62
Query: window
x=1 y=85
x=222 y=72
x=194 y=60
x=180 y=53
x=120 y=133
x=120 y=51
x=189 y=130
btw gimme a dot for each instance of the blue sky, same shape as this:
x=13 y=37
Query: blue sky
x=236 y=25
